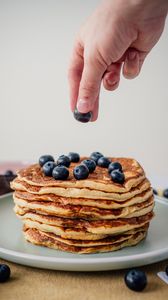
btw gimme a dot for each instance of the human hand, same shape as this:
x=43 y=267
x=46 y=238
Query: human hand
x=118 y=35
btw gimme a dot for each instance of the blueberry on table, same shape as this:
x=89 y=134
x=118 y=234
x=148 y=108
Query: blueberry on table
x=114 y=166
x=74 y=157
x=117 y=176
x=81 y=172
x=63 y=160
x=48 y=168
x=60 y=173
x=90 y=164
x=103 y=162
x=95 y=156
x=45 y=158
x=81 y=117
x=165 y=193
x=4 y=273
x=9 y=173
x=135 y=280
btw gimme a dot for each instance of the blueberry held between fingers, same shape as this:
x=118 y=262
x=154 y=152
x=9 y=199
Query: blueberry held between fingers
x=63 y=160
x=4 y=273
x=74 y=157
x=135 y=280
x=90 y=164
x=48 y=168
x=81 y=172
x=84 y=118
x=60 y=173
x=117 y=176
x=165 y=193
x=114 y=166
x=45 y=158
x=95 y=156
x=103 y=162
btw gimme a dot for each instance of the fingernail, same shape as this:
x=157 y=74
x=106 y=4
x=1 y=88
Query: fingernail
x=111 y=83
x=83 y=106
x=132 y=55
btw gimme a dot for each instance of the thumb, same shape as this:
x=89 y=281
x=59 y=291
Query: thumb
x=89 y=87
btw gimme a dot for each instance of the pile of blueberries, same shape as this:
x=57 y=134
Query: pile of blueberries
x=59 y=169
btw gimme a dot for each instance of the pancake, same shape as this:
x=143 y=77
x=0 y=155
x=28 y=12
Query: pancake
x=98 y=180
x=99 y=203
x=19 y=185
x=86 y=212
x=78 y=228
x=40 y=238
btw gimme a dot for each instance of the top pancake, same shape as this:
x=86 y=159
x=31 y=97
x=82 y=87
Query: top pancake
x=98 y=180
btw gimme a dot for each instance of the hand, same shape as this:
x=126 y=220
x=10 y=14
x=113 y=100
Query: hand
x=119 y=35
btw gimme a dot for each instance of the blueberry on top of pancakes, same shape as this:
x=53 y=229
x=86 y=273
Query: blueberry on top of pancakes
x=73 y=156
x=63 y=160
x=90 y=164
x=95 y=156
x=114 y=166
x=81 y=172
x=45 y=158
x=117 y=176
x=103 y=162
x=48 y=168
x=60 y=173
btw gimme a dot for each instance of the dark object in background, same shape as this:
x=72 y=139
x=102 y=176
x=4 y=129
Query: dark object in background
x=84 y=118
x=5 y=182
x=135 y=280
x=165 y=193
x=155 y=192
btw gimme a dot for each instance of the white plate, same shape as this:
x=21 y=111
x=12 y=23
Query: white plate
x=14 y=248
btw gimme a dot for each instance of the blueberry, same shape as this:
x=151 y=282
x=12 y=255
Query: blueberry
x=45 y=158
x=63 y=160
x=81 y=172
x=48 y=168
x=155 y=192
x=135 y=280
x=117 y=176
x=84 y=118
x=166 y=270
x=114 y=166
x=103 y=162
x=74 y=157
x=165 y=193
x=9 y=173
x=95 y=156
x=60 y=172
x=90 y=164
x=4 y=273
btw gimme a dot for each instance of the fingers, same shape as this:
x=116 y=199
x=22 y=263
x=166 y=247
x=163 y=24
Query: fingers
x=89 y=87
x=95 y=110
x=111 y=77
x=75 y=73
x=131 y=66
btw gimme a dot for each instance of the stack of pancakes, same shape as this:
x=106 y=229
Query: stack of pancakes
x=84 y=216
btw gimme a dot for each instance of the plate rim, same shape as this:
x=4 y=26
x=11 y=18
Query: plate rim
x=86 y=260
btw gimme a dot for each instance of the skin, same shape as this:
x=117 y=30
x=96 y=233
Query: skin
x=116 y=37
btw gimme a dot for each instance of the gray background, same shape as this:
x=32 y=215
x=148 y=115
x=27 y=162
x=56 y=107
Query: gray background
x=36 y=39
